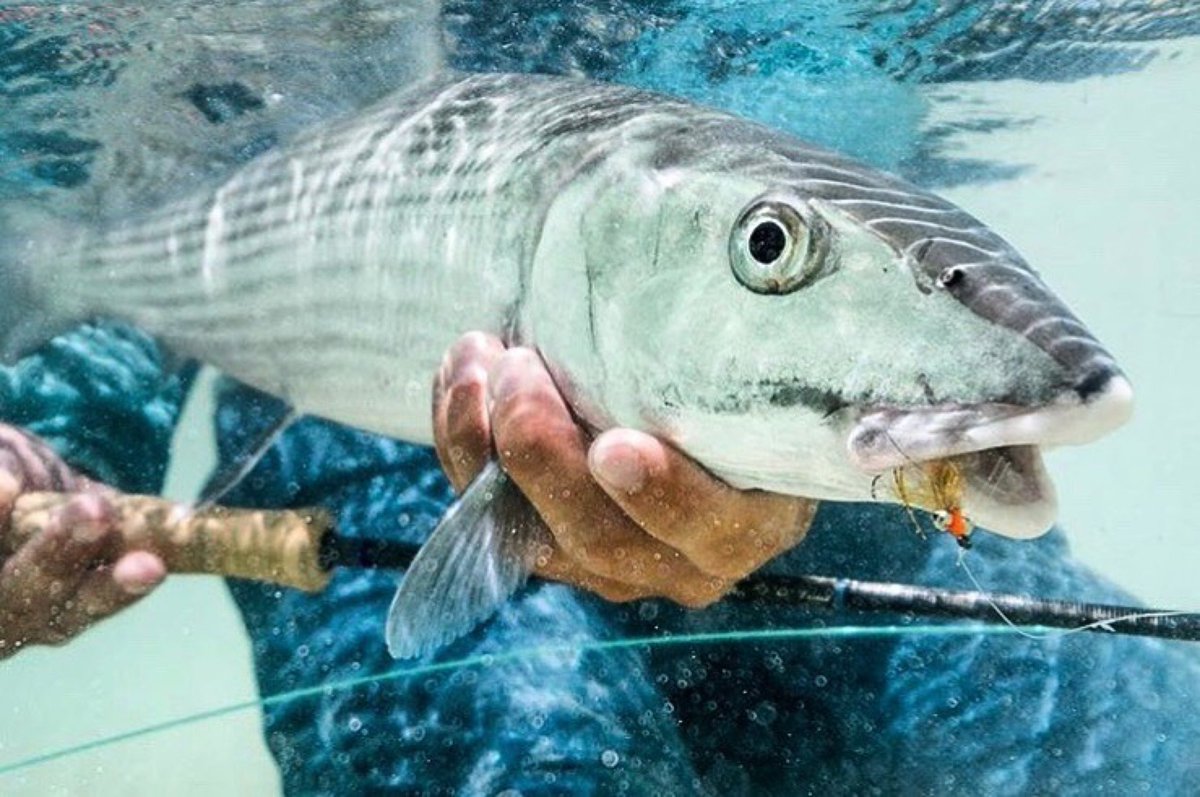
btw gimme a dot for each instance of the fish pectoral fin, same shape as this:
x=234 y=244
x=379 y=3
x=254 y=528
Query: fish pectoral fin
x=481 y=553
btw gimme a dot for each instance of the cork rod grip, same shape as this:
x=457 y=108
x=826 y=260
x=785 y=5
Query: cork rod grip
x=277 y=546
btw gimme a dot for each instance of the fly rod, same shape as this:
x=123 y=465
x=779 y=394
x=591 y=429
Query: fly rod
x=300 y=548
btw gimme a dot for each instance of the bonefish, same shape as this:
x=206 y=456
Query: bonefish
x=794 y=320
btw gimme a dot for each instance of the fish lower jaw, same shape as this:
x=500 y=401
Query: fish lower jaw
x=996 y=447
x=1008 y=491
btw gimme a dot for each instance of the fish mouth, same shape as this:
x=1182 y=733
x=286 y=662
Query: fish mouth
x=996 y=447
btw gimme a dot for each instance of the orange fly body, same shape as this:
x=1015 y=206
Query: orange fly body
x=940 y=491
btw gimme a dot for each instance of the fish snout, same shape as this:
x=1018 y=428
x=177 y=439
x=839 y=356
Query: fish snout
x=1086 y=396
x=1100 y=401
x=1007 y=292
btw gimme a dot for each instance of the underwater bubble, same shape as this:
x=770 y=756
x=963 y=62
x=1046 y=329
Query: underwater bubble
x=411 y=674
x=403 y=519
x=820 y=681
x=1150 y=700
x=610 y=758
x=302 y=651
x=764 y=713
x=355 y=724
x=1160 y=738
x=647 y=610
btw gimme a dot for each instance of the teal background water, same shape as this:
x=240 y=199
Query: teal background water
x=1105 y=208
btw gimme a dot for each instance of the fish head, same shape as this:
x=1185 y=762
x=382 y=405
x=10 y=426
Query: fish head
x=801 y=323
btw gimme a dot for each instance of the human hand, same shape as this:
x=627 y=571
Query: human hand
x=69 y=575
x=631 y=516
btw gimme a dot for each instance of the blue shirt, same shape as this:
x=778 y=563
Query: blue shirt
x=914 y=714
x=941 y=714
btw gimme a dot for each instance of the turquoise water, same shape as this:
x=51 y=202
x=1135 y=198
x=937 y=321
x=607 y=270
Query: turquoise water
x=1094 y=178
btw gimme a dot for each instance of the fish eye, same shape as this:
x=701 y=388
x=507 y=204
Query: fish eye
x=941 y=519
x=774 y=249
x=768 y=241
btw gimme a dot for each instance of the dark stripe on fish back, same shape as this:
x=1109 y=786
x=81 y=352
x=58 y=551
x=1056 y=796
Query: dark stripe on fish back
x=945 y=246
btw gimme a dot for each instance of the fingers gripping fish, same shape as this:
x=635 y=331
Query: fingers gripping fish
x=794 y=320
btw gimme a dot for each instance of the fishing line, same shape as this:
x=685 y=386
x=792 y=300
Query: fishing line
x=1105 y=623
x=487 y=660
x=227 y=479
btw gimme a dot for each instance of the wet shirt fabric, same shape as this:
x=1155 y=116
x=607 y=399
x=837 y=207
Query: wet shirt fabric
x=101 y=396
x=919 y=713
x=915 y=713
x=538 y=700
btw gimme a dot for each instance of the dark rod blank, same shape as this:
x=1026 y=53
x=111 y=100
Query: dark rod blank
x=933 y=602
x=867 y=596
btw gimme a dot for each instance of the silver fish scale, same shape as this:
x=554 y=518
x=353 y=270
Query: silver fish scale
x=338 y=268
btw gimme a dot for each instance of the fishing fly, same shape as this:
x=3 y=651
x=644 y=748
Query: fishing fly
x=937 y=487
